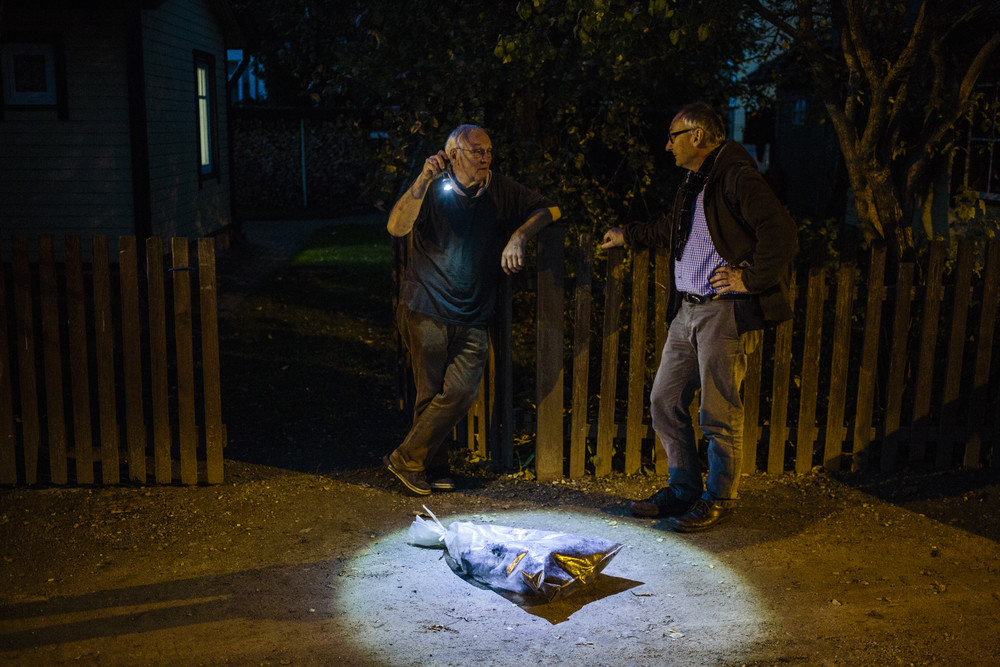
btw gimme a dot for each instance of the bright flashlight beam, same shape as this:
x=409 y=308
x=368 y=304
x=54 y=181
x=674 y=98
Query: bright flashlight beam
x=660 y=595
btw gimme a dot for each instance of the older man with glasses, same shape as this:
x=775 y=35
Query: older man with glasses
x=731 y=244
x=466 y=223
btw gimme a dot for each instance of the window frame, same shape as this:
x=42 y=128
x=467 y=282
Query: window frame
x=53 y=98
x=990 y=143
x=206 y=116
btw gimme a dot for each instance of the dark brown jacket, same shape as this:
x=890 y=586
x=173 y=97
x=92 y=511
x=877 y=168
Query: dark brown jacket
x=750 y=228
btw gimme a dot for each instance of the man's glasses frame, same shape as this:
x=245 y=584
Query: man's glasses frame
x=673 y=135
x=479 y=152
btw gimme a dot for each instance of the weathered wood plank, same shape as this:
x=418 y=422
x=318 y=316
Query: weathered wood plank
x=208 y=308
x=805 y=443
x=79 y=361
x=661 y=296
x=583 y=297
x=135 y=420
x=606 y=430
x=867 y=372
x=26 y=343
x=927 y=352
x=950 y=398
x=183 y=334
x=8 y=441
x=158 y=381
x=898 y=360
x=635 y=429
x=104 y=338
x=779 y=394
x=979 y=396
x=835 y=429
x=52 y=362
x=549 y=365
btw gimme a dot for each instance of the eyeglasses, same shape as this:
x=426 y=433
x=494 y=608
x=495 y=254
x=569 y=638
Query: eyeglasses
x=479 y=152
x=673 y=135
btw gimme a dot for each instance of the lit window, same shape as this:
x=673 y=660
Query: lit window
x=205 y=89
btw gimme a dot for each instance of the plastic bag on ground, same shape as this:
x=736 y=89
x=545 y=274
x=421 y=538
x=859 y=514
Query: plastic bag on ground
x=517 y=560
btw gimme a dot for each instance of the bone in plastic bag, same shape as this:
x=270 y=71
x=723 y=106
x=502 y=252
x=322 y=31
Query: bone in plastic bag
x=521 y=561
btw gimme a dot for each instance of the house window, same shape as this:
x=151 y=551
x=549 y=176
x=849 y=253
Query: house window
x=982 y=171
x=799 y=112
x=204 y=68
x=33 y=74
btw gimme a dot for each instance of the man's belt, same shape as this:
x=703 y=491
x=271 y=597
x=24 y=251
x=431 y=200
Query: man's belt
x=690 y=297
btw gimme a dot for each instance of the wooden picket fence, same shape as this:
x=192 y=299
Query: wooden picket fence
x=72 y=369
x=873 y=372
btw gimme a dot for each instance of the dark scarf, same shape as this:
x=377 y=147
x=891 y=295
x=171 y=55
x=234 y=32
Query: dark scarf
x=687 y=194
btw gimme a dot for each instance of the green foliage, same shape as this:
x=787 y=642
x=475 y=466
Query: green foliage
x=576 y=94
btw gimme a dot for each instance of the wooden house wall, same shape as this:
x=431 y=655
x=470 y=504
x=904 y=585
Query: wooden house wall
x=71 y=176
x=181 y=203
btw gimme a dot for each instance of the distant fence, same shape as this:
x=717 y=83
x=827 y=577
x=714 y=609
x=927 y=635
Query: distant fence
x=99 y=360
x=873 y=372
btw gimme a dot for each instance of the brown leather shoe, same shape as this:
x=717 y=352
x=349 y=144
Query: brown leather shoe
x=661 y=503
x=703 y=515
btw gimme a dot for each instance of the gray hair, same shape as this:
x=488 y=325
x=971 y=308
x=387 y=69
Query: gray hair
x=459 y=137
x=702 y=115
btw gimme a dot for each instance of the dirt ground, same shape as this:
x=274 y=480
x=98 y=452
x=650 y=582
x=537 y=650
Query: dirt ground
x=301 y=557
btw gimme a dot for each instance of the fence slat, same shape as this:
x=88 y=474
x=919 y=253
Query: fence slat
x=79 y=361
x=8 y=452
x=751 y=408
x=635 y=429
x=186 y=425
x=835 y=431
x=549 y=364
x=52 y=363
x=160 y=397
x=984 y=350
x=661 y=296
x=950 y=404
x=104 y=336
x=806 y=439
x=779 y=394
x=583 y=296
x=867 y=372
x=135 y=421
x=927 y=354
x=898 y=361
x=27 y=374
x=606 y=427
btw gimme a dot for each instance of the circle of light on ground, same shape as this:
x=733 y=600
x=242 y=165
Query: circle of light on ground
x=660 y=599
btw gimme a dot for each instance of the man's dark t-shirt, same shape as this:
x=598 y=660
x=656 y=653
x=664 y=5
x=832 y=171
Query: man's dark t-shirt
x=454 y=263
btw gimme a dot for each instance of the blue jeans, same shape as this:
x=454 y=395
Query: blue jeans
x=448 y=362
x=703 y=350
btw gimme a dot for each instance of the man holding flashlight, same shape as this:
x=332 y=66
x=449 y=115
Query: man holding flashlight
x=731 y=249
x=466 y=223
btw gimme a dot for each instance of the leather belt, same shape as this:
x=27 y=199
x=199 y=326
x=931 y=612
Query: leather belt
x=699 y=299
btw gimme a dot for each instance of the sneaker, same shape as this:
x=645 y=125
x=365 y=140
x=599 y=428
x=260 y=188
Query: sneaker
x=661 y=503
x=703 y=515
x=413 y=480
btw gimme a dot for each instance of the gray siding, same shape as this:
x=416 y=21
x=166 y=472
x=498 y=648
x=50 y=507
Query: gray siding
x=181 y=206
x=70 y=176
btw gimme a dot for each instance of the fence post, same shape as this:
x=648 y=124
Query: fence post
x=549 y=361
x=805 y=444
x=981 y=378
x=896 y=382
x=8 y=454
x=606 y=427
x=867 y=371
x=579 y=428
x=962 y=276
x=634 y=428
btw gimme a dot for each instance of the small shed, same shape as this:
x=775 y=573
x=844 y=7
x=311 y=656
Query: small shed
x=113 y=117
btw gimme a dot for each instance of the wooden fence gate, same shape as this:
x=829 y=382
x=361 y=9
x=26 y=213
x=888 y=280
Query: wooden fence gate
x=77 y=354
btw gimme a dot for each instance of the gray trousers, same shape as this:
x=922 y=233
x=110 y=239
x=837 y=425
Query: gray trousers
x=448 y=362
x=703 y=350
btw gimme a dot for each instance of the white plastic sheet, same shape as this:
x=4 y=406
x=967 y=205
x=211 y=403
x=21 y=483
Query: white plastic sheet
x=517 y=560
